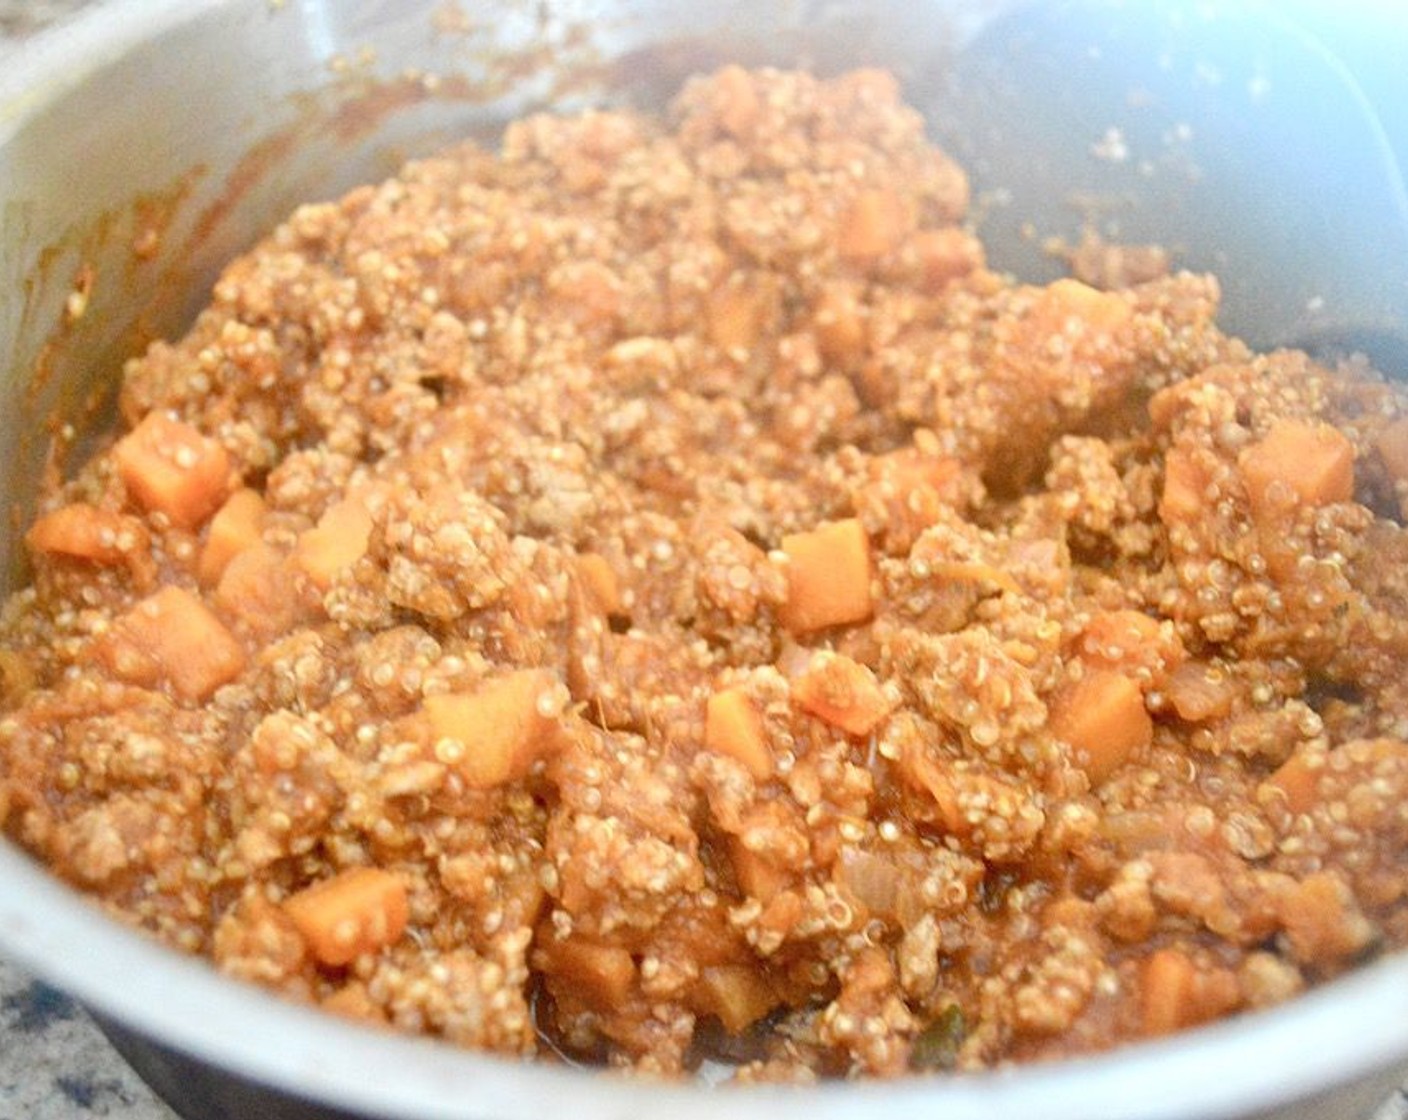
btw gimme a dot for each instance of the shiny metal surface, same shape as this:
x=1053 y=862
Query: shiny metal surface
x=144 y=145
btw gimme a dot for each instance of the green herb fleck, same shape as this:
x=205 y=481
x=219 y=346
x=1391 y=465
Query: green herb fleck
x=936 y=1047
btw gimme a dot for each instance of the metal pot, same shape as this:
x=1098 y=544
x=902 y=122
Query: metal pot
x=144 y=145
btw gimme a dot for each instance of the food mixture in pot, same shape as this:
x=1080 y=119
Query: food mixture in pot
x=651 y=594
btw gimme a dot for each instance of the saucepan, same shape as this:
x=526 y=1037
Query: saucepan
x=145 y=144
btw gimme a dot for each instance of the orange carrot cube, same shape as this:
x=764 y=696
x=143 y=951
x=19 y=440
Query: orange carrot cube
x=1184 y=497
x=945 y=255
x=842 y=692
x=172 y=637
x=1324 y=924
x=1177 y=993
x=86 y=532
x=236 y=526
x=873 y=226
x=735 y=101
x=736 y=994
x=1200 y=691
x=171 y=468
x=828 y=577
x=602 y=974
x=1088 y=326
x=1102 y=716
x=733 y=727
x=600 y=580
x=1067 y=306
x=953 y=788
x=1167 y=981
x=1297 y=462
x=1131 y=642
x=355 y=912
x=925 y=773
x=907 y=491
x=1297 y=781
x=256 y=588
x=338 y=541
x=737 y=317
x=758 y=877
x=840 y=327
x=910 y=469
x=17 y=679
x=494 y=735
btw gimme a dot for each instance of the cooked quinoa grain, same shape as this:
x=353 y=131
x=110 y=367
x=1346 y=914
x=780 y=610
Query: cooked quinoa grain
x=651 y=593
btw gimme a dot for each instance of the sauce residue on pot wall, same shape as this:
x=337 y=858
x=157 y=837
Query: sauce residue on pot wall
x=136 y=271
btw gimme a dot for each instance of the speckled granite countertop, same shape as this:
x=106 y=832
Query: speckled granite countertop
x=56 y=1065
x=54 y=1062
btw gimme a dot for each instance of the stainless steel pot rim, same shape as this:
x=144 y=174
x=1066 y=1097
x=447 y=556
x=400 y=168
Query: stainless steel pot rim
x=1352 y=1027
x=1331 y=1035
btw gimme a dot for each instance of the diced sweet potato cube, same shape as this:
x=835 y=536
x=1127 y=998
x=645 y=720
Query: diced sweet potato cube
x=1178 y=994
x=588 y=291
x=975 y=572
x=601 y=583
x=945 y=255
x=1392 y=444
x=1131 y=642
x=782 y=912
x=924 y=773
x=355 y=912
x=758 y=876
x=1324 y=924
x=332 y=546
x=1108 y=266
x=1102 y=716
x=1297 y=463
x=733 y=727
x=736 y=994
x=1074 y=321
x=842 y=692
x=173 y=637
x=171 y=468
x=256 y=587
x=236 y=526
x=1297 y=781
x=17 y=678
x=951 y=788
x=738 y=316
x=1068 y=306
x=839 y=326
x=494 y=735
x=873 y=226
x=828 y=577
x=1200 y=691
x=86 y=532
x=602 y=974
x=1111 y=636
x=1184 y=497
x=735 y=101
